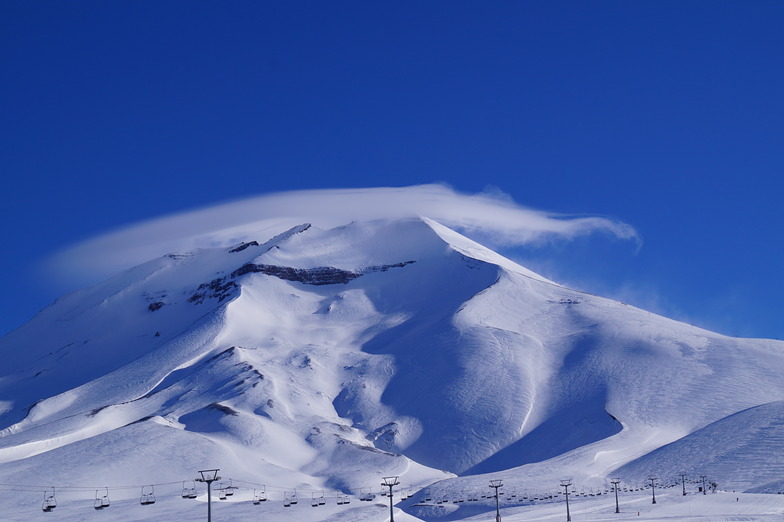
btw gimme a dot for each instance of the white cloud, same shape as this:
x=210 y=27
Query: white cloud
x=493 y=218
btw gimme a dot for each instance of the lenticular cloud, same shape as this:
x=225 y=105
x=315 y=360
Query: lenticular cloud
x=490 y=218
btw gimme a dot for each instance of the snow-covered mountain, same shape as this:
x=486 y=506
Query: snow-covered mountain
x=324 y=359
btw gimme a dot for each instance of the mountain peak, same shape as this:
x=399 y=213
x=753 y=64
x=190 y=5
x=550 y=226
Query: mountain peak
x=394 y=346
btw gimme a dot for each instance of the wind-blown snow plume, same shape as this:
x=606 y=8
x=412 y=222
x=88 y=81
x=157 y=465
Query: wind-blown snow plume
x=490 y=217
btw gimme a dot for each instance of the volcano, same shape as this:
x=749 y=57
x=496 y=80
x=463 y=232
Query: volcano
x=318 y=360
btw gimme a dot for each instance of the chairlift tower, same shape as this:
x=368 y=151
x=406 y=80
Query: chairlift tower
x=565 y=484
x=653 y=488
x=390 y=482
x=495 y=484
x=209 y=476
x=615 y=483
x=683 y=483
x=704 y=489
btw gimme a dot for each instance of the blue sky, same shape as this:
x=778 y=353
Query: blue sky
x=667 y=116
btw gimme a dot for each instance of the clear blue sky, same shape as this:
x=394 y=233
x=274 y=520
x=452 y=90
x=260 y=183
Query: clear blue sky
x=666 y=115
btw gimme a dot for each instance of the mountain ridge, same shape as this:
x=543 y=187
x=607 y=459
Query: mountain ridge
x=435 y=354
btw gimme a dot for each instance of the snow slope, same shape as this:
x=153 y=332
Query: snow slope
x=324 y=359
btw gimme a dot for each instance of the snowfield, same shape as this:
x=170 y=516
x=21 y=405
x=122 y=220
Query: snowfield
x=316 y=361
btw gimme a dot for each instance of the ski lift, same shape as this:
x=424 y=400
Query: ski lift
x=148 y=495
x=343 y=499
x=366 y=495
x=49 y=501
x=259 y=497
x=189 y=492
x=101 y=502
x=319 y=500
x=290 y=497
x=221 y=491
x=229 y=490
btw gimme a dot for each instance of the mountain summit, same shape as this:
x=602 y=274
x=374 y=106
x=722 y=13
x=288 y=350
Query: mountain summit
x=330 y=357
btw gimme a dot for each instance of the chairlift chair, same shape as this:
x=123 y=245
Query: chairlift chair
x=366 y=495
x=101 y=502
x=49 y=501
x=318 y=500
x=259 y=497
x=291 y=497
x=186 y=491
x=148 y=496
